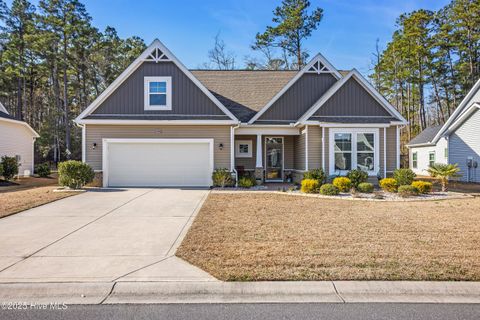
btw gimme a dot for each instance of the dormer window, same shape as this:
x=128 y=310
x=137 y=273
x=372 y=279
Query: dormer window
x=158 y=93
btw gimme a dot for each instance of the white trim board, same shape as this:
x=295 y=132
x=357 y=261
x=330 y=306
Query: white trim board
x=107 y=141
x=159 y=122
x=146 y=56
x=365 y=84
x=457 y=111
x=468 y=112
x=292 y=81
x=3 y=109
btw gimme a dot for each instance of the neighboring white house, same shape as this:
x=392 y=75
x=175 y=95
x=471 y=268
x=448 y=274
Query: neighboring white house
x=456 y=142
x=16 y=140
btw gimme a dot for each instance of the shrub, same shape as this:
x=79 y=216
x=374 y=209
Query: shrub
x=365 y=187
x=389 y=185
x=343 y=184
x=43 y=170
x=404 y=176
x=444 y=172
x=1 y=169
x=222 y=178
x=357 y=176
x=422 y=186
x=10 y=167
x=246 y=182
x=310 y=186
x=407 y=191
x=74 y=174
x=316 y=174
x=329 y=190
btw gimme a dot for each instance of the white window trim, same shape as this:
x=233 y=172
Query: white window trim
x=353 y=132
x=238 y=154
x=415 y=161
x=434 y=157
x=146 y=99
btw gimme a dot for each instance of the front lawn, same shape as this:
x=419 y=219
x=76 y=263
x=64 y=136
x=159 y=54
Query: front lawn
x=15 y=201
x=265 y=236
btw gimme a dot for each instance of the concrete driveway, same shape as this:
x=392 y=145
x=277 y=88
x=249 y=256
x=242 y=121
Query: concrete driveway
x=104 y=235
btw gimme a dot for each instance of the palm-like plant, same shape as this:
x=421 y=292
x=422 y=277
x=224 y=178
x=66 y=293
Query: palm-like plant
x=444 y=172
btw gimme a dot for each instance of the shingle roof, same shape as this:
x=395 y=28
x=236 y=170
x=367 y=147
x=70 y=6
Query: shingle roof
x=354 y=119
x=6 y=115
x=426 y=136
x=156 y=117
x=244 y=92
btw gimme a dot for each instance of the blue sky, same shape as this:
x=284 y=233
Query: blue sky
x=346 y=35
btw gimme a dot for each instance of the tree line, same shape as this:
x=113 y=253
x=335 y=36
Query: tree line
x=53 y=63
x=430 y=63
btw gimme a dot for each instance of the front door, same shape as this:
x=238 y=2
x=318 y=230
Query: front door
x=274 y=159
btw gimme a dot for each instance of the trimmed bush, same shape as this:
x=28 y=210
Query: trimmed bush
x=423 y=187
x=10 y=167
x=389 y=185
x=316 y=174
x=1 y=169
x=404 y=176
x=343 y=184
x=407 y=191
x=43 y=170
x=222 y=178
x=246 y=182
x=74 y=174
x=310 y=185
x=365 y=187
x=329 y=190
x=357 y=176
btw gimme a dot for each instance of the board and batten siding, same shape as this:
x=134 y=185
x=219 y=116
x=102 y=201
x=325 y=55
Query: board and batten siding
x=187 y=98
x=463 y=143
x=299 y=97
x=95 y=134
x=17 y=139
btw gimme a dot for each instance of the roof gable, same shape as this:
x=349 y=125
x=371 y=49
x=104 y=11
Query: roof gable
x=156 y=53
x=363 y=100
x=319 y=64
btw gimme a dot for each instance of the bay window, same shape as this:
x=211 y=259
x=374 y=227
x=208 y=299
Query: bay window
x=354 y=149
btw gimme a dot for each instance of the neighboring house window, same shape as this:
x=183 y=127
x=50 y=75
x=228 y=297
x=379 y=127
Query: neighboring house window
x=431 y=158
x=446 y=153
x=243 y=148
x=158 y=93
x=354 y=149
x=415 y=160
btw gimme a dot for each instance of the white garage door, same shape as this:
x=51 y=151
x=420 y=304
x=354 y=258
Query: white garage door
x=158 y=162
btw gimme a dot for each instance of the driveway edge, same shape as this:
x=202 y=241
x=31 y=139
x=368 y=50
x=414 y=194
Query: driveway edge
x=242 y=292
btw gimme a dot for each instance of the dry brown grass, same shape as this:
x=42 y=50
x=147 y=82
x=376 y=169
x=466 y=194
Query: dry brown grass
x=282 y=237
x=16 y=201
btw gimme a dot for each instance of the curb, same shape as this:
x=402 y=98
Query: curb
x=242 y=292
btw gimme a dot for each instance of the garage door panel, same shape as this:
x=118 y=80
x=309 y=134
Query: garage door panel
x=159 y=164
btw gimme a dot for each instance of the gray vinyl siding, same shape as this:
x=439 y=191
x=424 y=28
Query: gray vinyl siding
x=352 y=100
x=299 y=149
x=299 y=97
x=95 y=134
x=314 y=147
x=289 y=150
x=391 y=148
x=464 y=142
x=187 y=98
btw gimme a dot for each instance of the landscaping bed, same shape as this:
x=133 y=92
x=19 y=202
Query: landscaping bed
x=274 y=236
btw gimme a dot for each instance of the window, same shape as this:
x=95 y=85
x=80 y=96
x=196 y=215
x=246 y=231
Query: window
x=445 y=153
x=243 y=148
x=158 y=93
x=415 y=160
x=431 y=158
x=354 y=149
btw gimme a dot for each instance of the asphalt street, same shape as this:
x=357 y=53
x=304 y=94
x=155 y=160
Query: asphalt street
x=330 y=311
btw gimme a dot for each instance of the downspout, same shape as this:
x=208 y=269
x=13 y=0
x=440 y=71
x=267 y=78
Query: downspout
x=232 y=152
x=323 y=148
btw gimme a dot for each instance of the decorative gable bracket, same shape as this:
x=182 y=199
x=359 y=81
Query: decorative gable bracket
x=157 y=56
x=318 y=67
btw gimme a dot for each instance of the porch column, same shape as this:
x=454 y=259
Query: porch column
x=259 y=160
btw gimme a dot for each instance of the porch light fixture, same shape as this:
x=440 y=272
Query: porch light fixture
x=220 y=146
x=94 y=146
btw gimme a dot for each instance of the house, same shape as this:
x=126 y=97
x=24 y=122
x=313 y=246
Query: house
x=160 y=124
x=455 y=142
x=17 y=139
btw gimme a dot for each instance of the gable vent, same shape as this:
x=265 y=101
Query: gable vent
x=156 y=56
x=319 y=67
